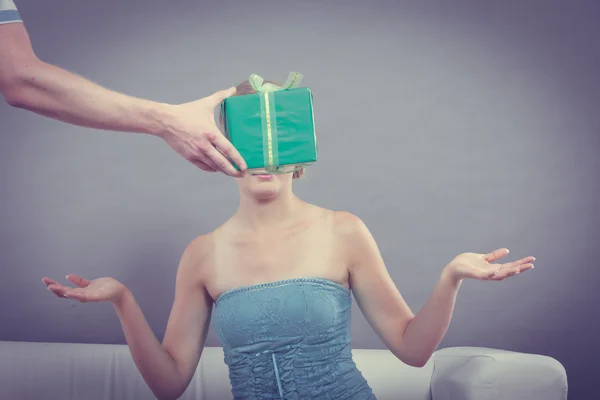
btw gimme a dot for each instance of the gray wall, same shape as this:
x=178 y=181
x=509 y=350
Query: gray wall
x=447 y=128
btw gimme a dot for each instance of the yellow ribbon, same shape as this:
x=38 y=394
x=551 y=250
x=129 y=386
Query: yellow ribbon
x=269 y=125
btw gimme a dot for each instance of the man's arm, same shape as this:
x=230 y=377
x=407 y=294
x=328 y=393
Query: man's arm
x=29 y=83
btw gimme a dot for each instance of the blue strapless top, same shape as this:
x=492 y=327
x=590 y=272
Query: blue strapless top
x=289 y=339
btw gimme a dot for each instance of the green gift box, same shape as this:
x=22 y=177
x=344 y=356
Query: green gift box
x=274 y=128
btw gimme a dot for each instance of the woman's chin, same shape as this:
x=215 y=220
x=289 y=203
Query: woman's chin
x=263 y=195
x=264 y=192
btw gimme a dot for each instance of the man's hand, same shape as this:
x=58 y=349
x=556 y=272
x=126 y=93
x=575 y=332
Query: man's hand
x=27 y=82
x=193 y=133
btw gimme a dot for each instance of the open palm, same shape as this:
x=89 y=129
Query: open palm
x=483 y=266
x=101 y=289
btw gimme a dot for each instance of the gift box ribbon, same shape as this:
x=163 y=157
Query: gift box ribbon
x=267 y=110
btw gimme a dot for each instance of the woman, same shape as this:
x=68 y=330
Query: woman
x=278 y=277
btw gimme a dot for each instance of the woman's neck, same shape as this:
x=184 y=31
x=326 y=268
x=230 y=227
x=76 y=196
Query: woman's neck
x=266 y=214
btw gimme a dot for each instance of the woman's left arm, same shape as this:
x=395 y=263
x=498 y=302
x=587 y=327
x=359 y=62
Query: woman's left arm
x=412 y=338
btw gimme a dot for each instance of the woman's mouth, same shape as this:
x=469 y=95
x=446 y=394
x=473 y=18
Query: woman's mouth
x=264 y=177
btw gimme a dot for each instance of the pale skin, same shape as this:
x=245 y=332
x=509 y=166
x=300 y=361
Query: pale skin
x=29 y=83
x=275 y=236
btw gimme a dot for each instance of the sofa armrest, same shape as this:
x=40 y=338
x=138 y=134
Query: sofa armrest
x=476 y=373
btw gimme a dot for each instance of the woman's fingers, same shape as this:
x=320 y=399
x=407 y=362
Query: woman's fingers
x=518 y=263
x=61 y=291
x=58 y=290
x=78 y=294
x=503 y=273
x=69 y=292
x=496 y=255
x=78 y=280
x=526 y=267
x=525 y=260
x=48 y=281
x=489 y=274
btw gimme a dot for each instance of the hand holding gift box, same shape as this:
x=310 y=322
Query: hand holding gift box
x=273 y=129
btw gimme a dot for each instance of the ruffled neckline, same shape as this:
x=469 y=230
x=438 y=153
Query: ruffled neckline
x=317 y=280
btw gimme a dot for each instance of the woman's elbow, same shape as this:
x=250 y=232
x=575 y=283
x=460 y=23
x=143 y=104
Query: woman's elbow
x=14 y=93
x=170 y=395
x=16 y=85
x=171 y=389
x=166 y=397
x=416 y=361
x=419 y=363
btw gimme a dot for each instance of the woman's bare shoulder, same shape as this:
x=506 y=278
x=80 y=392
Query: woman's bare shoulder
x=342 y=222
x=346 y=223
x=201 y=250
x=207 y=241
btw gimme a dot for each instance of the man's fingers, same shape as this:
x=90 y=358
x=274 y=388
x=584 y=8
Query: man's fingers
x=219 y=159
x=203 y=157
x=202 y=165
x=226 y=148
x=221 y=95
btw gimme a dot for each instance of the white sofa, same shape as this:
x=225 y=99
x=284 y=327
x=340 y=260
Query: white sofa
x=67 y=371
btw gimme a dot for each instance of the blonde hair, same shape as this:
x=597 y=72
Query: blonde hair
x=246 y=88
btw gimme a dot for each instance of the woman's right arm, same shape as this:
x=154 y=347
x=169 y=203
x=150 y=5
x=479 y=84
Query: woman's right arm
x=169 y=367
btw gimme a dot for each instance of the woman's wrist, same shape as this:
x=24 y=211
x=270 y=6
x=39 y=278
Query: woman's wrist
x=122 y=297
x=450 y=277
